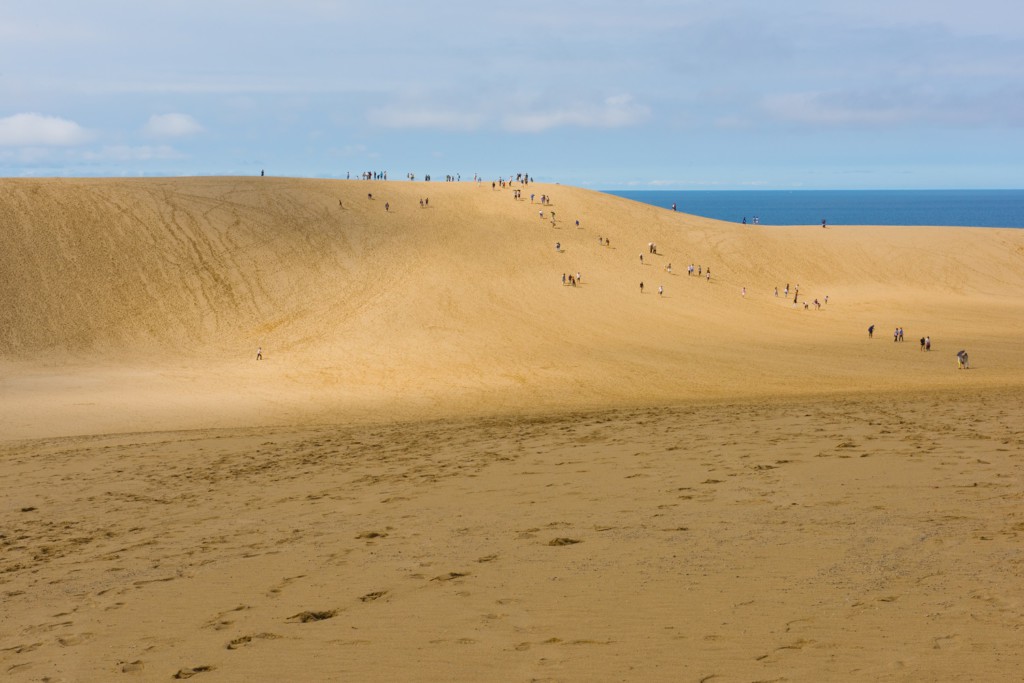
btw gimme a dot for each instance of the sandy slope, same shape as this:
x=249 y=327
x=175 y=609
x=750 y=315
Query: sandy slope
x=146 y=287
x=451 y=467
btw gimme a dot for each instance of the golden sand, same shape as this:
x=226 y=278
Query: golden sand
x=449 y=466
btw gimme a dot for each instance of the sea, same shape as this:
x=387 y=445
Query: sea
x=968 y=208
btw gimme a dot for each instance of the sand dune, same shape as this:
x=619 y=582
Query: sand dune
x=144 y=287
x=449 y=466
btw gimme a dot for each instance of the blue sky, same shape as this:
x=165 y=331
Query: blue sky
x=649 y=94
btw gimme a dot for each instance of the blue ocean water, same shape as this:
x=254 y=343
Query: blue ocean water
x=970 y=208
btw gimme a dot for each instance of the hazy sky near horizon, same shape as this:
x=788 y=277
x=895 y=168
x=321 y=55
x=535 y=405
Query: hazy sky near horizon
x=657 y=94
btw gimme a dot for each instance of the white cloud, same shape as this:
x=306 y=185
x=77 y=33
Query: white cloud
x=615 y=112
x=38 y=130
x=171 y=126
x=516 y=113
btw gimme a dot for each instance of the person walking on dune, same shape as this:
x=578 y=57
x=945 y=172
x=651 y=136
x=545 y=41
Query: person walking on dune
x=871 y=331
x=641 y=287
x=259 y=353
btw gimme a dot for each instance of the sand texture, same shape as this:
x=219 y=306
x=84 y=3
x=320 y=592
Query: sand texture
x=449 y=466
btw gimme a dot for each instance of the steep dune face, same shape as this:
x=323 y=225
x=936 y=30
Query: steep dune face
x=459 y=305
x=114 y=266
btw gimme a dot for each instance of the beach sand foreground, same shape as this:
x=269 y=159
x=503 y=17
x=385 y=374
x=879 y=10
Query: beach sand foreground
x=856 y=540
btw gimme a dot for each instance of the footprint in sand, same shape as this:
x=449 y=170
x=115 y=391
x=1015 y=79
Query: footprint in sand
x=246 y=640
x=190 y=672
x=308 y=616
x=563 y=541
x=276 y=589
x=219 y=622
